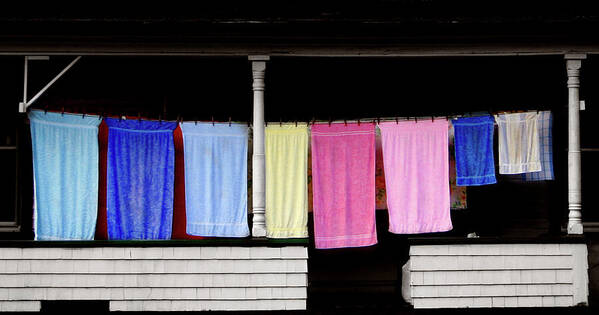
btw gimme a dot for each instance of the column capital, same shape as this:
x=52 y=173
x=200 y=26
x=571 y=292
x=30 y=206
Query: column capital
x=258 y=63
x=258 y=58
x=575 y=56
x=573 y=64
x=258 y=67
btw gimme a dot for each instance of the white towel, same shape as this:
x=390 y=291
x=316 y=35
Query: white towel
x=518 y=143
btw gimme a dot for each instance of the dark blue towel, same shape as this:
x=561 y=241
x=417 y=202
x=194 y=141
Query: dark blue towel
x=140 y=179
x=474 y=151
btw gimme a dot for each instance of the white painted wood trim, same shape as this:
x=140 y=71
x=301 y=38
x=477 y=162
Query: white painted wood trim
x=581 y=275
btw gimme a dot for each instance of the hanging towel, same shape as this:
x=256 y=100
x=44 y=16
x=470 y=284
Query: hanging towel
x=216 y=179
x=65 y=167
x=140 y=180
x=545 y=127
x=416 y=163
x=475 y=164
x=343 y=181
x=286 y=181
x=518 y=143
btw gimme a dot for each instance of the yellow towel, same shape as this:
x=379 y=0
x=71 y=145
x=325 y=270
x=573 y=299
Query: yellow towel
x=286 y=180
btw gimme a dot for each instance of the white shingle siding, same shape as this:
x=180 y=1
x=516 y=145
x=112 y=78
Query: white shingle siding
x=179 y=305
x=156 y=278
x=498 y=275
x=20 y=306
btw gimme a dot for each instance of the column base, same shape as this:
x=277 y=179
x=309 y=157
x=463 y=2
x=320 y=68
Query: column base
x=259 y=231
x=575 y=228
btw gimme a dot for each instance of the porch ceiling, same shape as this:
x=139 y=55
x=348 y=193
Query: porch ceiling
x=378 y=27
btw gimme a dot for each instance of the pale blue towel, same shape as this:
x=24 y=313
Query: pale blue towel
x=216 y=179
x=65 y=167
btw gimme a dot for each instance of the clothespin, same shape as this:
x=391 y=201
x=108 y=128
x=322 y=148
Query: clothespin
x=415 y=119
x=378 y=120
x=139 y=116
x=345 y=122
x=229 y=121
x=330 y=121
x=433 y=118
x=358 y=121
x=396 y=121
x=62 y=111
x=212 y=118
x=46 y=110
x=296 y=122
x=280 y=122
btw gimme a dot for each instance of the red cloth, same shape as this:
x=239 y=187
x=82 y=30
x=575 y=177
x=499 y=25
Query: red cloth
x=101 y=225
x=179 y=214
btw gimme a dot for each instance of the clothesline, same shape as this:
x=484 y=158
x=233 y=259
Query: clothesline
x=373 y=120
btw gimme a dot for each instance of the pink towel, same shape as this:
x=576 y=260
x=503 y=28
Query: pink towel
x=417 y=176
x=343 y=183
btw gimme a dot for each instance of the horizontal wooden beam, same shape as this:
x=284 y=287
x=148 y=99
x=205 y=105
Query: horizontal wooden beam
x=296 y=51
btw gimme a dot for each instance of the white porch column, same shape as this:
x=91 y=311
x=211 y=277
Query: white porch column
x=573 y=64
x=258 y=162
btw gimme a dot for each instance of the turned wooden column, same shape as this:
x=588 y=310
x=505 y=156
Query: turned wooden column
x=573 y=65
x=258 y=161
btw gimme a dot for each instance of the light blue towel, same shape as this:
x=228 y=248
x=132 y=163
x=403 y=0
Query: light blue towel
x=474 y=151
x=140 y=179
x=216 y=179
x=65 y=167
